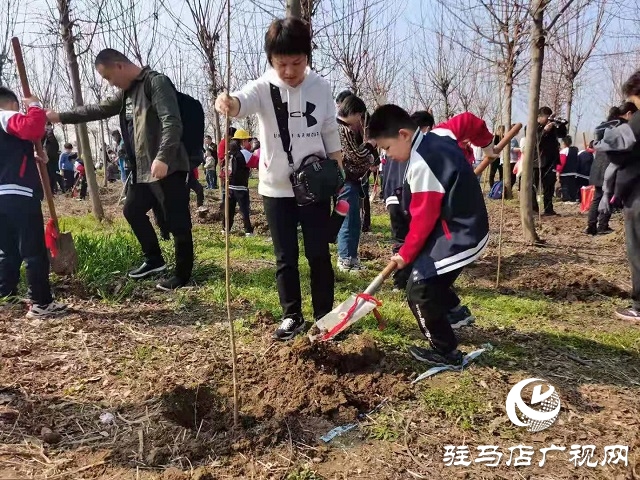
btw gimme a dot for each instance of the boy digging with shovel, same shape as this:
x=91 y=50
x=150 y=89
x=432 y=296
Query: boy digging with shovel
x=22 y=231
x=449 y=227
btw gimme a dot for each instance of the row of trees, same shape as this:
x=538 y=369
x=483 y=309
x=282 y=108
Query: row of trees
x=448 y=55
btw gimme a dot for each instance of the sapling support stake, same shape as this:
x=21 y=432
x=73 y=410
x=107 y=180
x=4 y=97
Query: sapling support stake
x=232 y=334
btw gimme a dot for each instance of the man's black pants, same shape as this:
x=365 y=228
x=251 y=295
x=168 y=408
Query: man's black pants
x=283 y=216
x=597 y=221
x=548 y=186
x=170 y=197
x=22 y=239
x=632 y=237
x=430 y=300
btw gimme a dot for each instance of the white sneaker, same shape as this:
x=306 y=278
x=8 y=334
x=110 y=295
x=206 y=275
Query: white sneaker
x=248 y=234
x=47 y=311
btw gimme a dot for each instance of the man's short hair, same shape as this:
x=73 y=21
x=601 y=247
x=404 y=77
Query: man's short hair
x=632 y=85
x=7 y=96
x=388 y=120
x=287 y=36
x=545 y=111
x=109 y=56
x=423 y=119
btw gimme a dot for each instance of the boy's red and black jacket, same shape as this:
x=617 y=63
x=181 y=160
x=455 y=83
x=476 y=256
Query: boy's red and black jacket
x=18 y=171
x=449 y=224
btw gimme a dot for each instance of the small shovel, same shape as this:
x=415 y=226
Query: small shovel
x=352 y=309
x=64 y=258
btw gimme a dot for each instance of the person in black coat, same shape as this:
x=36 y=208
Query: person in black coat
x=547 y=158
x=598 y=222
x=52 y=149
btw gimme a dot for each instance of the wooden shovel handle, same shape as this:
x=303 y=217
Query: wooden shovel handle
x=42 y=170
x=388 y=270
x=503 y=143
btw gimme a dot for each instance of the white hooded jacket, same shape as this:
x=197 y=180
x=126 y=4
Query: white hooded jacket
x=312 y=126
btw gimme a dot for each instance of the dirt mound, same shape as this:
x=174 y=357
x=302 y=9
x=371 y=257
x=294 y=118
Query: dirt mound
x=566 y=282
x=333 y=381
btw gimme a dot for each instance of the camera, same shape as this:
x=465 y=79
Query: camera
x=558 y=121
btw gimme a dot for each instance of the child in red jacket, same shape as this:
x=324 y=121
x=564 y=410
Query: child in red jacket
x=22 y=225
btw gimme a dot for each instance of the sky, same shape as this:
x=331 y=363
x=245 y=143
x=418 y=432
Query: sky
x=411 y=23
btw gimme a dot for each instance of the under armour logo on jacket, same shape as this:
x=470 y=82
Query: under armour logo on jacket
x=311 y=120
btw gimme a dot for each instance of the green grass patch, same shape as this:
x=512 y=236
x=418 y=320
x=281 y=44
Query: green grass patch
x=462 y=404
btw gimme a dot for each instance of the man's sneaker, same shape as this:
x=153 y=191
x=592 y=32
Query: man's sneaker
x=344 y=264
x=550 y=214
x=172 y=283
x=289 y=328
x=46 y=311
x=460 y=318
x=428 y=355
x=591 y=230
x=147 y=269
x=356 y=266
x=605 y=231
x=630 y=314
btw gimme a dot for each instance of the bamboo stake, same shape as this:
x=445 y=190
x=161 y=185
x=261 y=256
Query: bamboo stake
x=232 y=334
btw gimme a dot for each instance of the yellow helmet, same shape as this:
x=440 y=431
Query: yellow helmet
x=241 y=135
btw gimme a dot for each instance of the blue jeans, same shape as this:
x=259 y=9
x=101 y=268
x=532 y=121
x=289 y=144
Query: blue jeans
x=212 y=179
x=349 y=234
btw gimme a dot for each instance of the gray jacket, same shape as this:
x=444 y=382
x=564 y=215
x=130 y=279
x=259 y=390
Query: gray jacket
x=157 y=126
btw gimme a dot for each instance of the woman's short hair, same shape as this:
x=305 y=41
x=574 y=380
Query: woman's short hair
x=287 y=36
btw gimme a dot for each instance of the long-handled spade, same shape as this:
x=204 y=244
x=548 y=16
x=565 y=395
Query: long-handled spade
x=64 y=258
x=352 y=309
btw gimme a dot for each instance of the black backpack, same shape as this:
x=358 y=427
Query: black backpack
x=192 y=116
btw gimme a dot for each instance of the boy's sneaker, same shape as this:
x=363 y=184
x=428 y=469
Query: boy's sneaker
x=605 y=231
x=248 y=234
x=46 y=311
x=433 y=357
x=289 y=328
x=630 y=314
x=460 y=318
x=147 y=269
x=591 y=230
x=170 y=284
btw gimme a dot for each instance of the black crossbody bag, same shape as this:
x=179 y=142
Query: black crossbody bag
x=317 y=179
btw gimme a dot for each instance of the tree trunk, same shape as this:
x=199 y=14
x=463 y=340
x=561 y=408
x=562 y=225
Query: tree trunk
x=506 y=155
x=570 y=102
x=537 y=60
x=105 y=156
x=74 y=73
x=294 y=8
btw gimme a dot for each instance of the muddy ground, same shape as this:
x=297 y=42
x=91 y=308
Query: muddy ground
x=142 y=390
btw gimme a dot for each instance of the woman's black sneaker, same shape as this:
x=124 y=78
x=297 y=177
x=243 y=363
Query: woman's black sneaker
x=289 y=328
x=147 y=269
x=172 y=283
x=433 y=357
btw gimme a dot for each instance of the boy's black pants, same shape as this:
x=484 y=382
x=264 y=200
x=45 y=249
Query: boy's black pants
x=69 y=179
x=430 y=300
x=239 y=198
x=632 y=236
x=283 y=216
x=141 y=198
x=569 y=188
x=22 y=239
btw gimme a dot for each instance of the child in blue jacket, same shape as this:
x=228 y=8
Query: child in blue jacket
x=449 y=226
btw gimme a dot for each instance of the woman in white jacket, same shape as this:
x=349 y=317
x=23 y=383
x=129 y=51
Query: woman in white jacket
x=313 y=130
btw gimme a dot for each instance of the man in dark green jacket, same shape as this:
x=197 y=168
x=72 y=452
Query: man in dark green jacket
x=152 y=128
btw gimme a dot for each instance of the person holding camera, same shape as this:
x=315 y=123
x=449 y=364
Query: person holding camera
x=547 y=158
x=297 y=116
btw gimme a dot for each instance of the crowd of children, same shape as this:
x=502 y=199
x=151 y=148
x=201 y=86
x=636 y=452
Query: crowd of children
x=437 y=212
